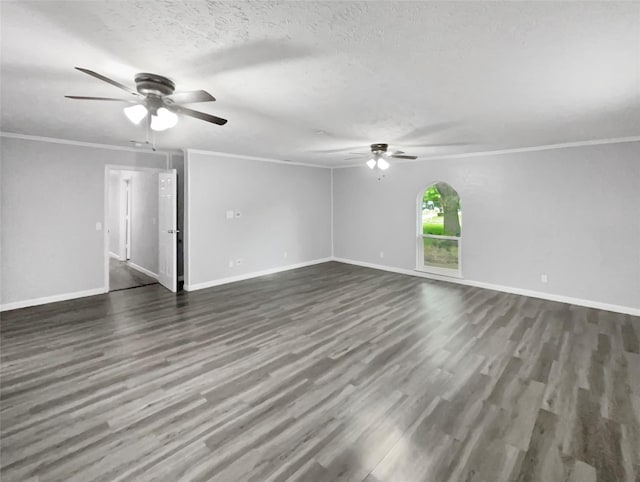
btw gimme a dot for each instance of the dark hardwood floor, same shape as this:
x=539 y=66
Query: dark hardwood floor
x=123 y=277
x=331 y=372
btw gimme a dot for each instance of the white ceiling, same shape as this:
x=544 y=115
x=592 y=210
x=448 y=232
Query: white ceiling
x=295 y=78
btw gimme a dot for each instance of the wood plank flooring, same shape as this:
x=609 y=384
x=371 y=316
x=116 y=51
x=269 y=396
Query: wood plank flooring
x=123 y=277
x=331 y=372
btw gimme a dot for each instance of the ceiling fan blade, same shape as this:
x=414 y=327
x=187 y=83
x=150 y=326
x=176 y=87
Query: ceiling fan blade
x=330 y=151
x=81 y=97
x=198 y=115
x=446 y=144
x=190 y=97
x=400 y=156
x=393 y=153
x=352 y=158
x=108 y=80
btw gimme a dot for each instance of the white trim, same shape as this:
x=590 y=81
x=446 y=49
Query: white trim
x=506 y=289
x=28 y=137
x=256 y=274
x=105 y=228
x=115 y=255
x=255 y=158
x=446 y=272
x=565 y=145
x=51 y=299
x=137 y=267
x=332 y=212
x=420 y=266
x=438 y=236
x=167 y=153
x=117 y=167
x=126 y=201
x=186 y=223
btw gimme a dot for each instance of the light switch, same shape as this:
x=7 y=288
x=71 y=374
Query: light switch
x=229 y=214
x=98 y=226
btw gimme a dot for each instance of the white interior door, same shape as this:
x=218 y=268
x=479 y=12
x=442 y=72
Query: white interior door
x=127 y=219
x=168 y=230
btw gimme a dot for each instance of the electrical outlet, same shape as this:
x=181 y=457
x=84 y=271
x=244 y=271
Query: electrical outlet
x=230 y=214
x=381 y=254
x=230 y=263
x=543 y=278
x=239 y=261
x=285 y=255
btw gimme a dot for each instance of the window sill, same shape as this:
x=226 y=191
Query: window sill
x=449 y=273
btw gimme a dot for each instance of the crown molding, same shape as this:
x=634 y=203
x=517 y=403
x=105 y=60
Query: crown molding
x=548 y=147
x=254 y=158
x=55 y=140
x=565 y=145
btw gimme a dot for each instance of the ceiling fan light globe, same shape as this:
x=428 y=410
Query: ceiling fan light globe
x=135 y=113
x=371 y=163
x=165 y=119
x=383 y=164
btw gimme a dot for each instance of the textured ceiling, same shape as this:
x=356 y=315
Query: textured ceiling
x=297 y=78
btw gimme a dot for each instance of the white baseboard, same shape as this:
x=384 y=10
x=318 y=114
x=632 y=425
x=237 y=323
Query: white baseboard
x=256 y=274
x=137 y=267
x=506 y=289
x=116 y=256
x=51 y=299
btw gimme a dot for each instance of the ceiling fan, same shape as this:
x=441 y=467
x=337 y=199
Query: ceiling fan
x=155 y=99
x=380 y=154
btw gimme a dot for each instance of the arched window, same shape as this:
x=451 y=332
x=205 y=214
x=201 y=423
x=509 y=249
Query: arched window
x=439 y=230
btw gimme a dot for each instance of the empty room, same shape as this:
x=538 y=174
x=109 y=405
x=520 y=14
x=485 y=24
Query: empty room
x=319 y=241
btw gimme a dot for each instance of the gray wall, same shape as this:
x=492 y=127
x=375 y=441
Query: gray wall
x=113 y=219
x=571 y=213
x=283 y=208
x=144 y=219
x=52 y=198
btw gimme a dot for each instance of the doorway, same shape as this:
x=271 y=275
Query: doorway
x=141 y=228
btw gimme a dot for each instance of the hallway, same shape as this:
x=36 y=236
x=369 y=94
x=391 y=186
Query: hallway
x=123 y=277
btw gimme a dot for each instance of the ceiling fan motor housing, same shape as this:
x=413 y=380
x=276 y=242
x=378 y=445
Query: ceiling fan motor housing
x=153 y=84
x=379 y=147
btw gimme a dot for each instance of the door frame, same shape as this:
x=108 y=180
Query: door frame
x=124 y=221
x=127 y=217
x=105 y=224
x=173 y=229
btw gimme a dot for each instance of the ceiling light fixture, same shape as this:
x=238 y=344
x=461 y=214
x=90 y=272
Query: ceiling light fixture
x=382 y=164
x=378 y=161
x=136 y=113
x=163 y=120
